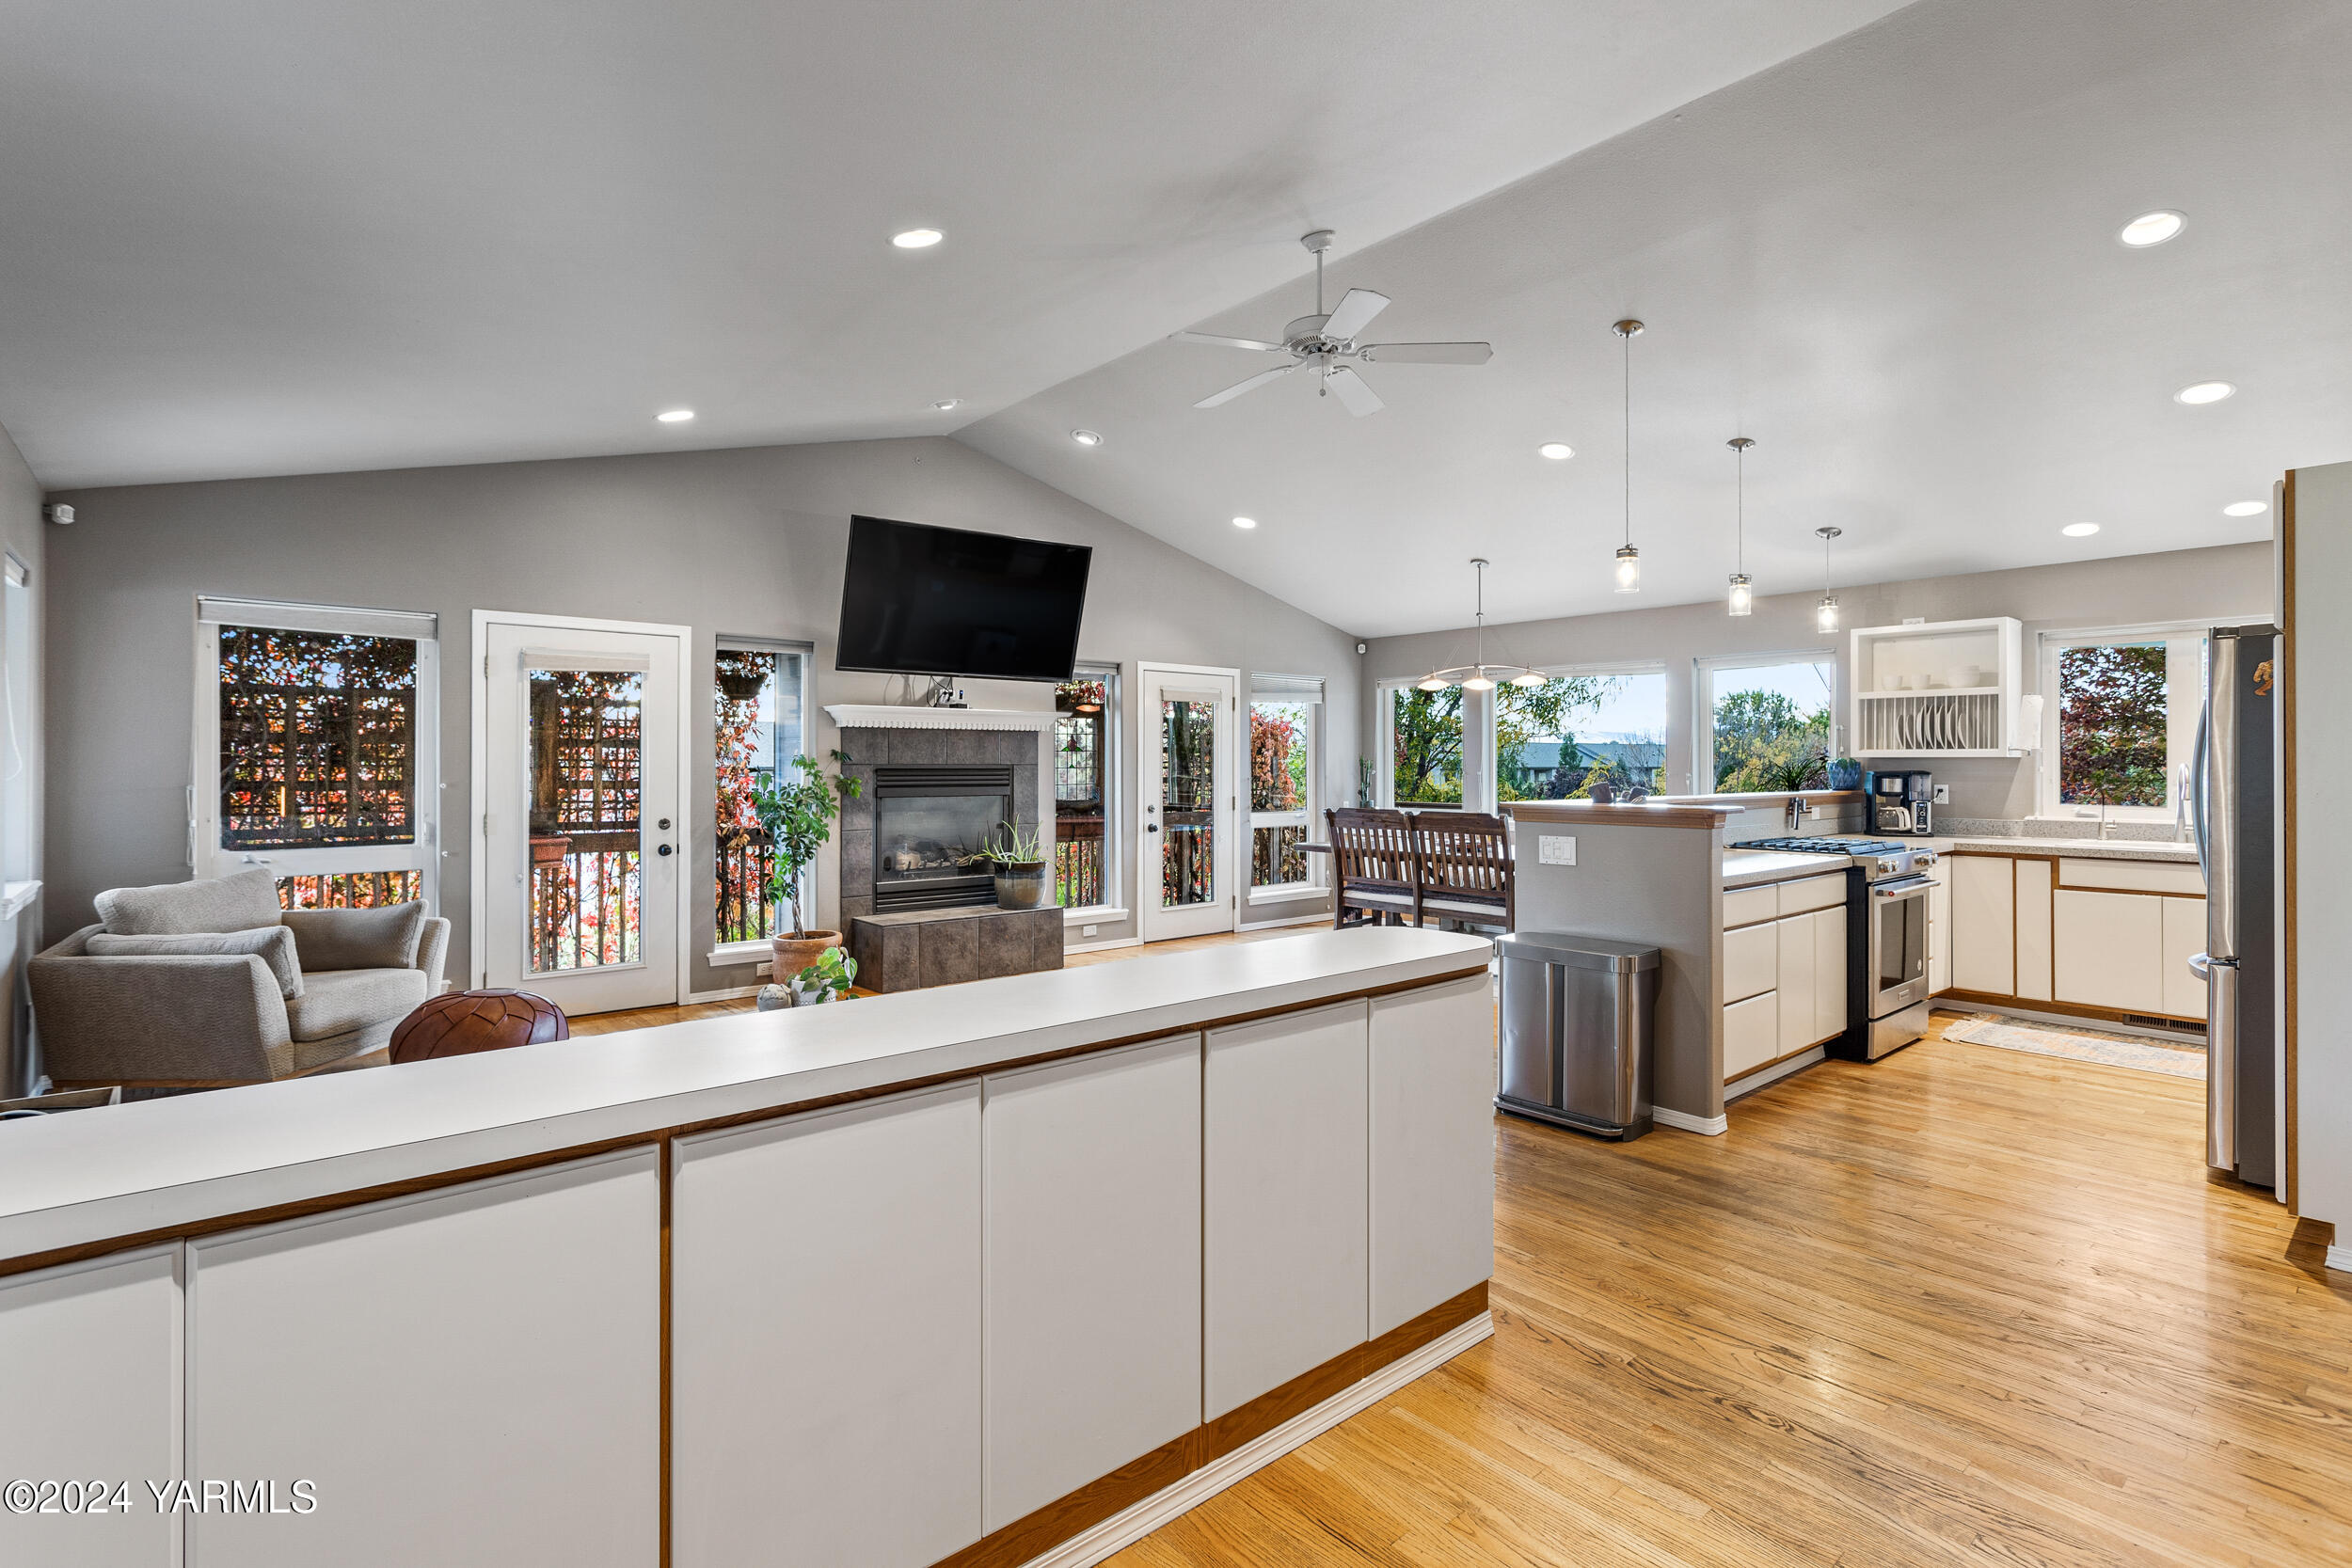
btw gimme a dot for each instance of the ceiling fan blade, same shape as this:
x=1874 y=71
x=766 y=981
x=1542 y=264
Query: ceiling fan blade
x=1427 y=354
x=1355 y=312
x=1354 y=390
x=1213 y=339
x=1238 y=387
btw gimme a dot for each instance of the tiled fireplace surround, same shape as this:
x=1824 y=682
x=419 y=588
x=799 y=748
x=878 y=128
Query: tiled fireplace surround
x=905 y=747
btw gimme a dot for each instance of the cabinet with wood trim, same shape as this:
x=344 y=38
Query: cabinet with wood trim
x=2074 y=934
x=1940 y=925
x=1783 y=979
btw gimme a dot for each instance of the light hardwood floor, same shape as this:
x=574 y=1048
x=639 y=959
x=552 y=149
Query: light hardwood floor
x=1960 y=1306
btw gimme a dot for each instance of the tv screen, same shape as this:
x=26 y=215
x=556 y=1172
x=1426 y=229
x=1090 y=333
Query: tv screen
x=943 y=601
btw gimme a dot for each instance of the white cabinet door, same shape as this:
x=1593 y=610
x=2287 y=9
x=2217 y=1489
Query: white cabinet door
x=2184 y=937
x=1285 y=1171
x=91 y=1391
x=1433 y=1148
x=472 y=1375
x=1829 y=974
x=1797 y=985
x=1751 y=960
x=2033 y=929
x=1984 y=924
x=1940 y=930
x=825 y=1337
x=1750 y=1034
x=1092 y=1347
x=2110 y=950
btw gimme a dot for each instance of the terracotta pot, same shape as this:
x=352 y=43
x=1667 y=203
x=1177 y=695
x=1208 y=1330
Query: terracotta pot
x=794 y=953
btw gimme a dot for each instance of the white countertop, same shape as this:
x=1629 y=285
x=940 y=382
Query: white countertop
x=1750 y=867
x=91 y=1176
x=2084 y=848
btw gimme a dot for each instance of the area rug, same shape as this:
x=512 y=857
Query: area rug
x=2185 y=1060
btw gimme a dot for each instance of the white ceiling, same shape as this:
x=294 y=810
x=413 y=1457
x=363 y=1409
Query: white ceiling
x=269 y=236
x=1892 y=262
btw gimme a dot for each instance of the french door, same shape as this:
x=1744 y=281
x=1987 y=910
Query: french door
x=1190 y=801
x=581 y=849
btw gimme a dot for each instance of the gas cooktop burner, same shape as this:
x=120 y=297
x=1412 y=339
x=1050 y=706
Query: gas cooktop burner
x=1825 y=846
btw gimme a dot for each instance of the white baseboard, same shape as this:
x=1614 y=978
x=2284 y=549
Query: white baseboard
x=1713 y=1127
x=1124 y=1529
x=2068 y=1020
x=1103 y=945
x=1322 y=917
x=2339 y=1258
x=725 y=993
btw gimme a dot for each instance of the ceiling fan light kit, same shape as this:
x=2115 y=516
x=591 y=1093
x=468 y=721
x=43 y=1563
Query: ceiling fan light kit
x=1322 y=341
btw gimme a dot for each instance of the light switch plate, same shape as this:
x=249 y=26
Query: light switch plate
x=1555 y=850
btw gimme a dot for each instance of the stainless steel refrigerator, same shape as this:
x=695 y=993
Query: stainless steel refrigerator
x=2237 y=824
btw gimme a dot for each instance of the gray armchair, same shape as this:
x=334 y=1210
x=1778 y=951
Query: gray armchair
x=206 y=984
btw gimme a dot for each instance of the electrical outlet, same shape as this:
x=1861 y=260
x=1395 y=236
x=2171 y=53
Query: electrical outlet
x=1943 y=795
x=1087 y=930
x=1553 y=851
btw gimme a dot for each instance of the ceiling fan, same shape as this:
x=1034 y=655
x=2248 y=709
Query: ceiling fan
x=1323 y=340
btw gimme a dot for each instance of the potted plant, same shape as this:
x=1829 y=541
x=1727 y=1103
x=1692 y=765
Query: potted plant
x=824 y=980
x=798 y=811
x=1019 y=862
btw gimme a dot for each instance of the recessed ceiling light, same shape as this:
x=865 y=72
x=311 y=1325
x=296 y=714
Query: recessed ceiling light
x=675 y=416
x=943 y=404
x=2204 y=391
x=1244 y=522
x=2079 y=530
x=1559 y=452
x=2151 y=229
x=2246 y=509
x=918 y=239
x=1086 y=437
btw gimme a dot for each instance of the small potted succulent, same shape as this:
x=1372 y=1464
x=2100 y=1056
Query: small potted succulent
x=828 y=979
x=1018 y=858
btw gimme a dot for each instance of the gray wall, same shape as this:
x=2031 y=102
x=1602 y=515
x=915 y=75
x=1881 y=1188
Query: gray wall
x=2223 y=581
x=21 y=531
x=2322 y=653
x=741 y=542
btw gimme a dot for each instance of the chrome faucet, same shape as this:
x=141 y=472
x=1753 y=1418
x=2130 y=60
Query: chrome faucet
x=1794 y=814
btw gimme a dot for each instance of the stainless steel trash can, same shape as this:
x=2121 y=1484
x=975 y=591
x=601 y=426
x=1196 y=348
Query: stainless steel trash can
x=1577 y=1014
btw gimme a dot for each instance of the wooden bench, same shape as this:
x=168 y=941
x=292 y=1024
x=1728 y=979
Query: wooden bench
x=1432 y=864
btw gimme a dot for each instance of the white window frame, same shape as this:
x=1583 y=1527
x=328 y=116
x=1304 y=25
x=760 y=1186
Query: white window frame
x=1113 y=676
x=1478 y=750
x=758 y=950
x=1309 y=691
x=2185 y=700
x=205 y=855
x=1571 y=672
x=1703 y=672
x=18 y=856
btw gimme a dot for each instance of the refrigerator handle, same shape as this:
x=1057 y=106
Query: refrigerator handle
x=2221 y=1063
x=2197 y=788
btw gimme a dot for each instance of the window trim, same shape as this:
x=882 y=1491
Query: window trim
x=1311 y=692
x=758 y=950
x=204 y=854
x=1703 y=672
x=1570 y=672
x=1477 y=723
x=1114 y=677
x=2180 y=718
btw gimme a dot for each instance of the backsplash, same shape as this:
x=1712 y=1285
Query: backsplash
x=2086 y=828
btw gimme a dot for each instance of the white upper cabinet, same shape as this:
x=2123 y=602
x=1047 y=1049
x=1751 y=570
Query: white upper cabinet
x=1943 y=688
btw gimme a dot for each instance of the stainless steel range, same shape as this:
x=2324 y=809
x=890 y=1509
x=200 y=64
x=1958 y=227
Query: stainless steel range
x=1887 y=939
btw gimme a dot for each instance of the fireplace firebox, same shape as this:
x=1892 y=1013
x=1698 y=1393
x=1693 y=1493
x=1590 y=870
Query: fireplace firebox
x=929 y=824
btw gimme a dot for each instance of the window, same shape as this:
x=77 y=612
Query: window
x=1764 y=723
x=2122 y=722
x=1580 y=727
x=1286 y=751
x=316 y=750
x=1422 y=733
x=16 y=714
x=1086 y=729
x=759 y=705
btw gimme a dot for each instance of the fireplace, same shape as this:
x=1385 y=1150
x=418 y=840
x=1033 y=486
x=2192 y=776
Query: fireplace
x=930 y=823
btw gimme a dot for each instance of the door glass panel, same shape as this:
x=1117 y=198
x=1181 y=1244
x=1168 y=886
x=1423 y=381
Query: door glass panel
x=1188 y=802
x=586 y=891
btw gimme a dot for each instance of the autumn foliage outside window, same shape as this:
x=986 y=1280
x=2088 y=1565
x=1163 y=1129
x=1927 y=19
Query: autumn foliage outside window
x=756 y=714
x=1281 y=790
x=1082 y=731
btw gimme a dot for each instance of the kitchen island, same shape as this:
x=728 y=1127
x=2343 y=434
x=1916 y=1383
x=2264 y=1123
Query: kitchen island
x=963 y=1275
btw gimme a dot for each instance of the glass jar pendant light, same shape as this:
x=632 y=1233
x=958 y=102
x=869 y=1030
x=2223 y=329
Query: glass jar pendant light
x=1825 y=613
x=1629 y=558
x=1742 y=590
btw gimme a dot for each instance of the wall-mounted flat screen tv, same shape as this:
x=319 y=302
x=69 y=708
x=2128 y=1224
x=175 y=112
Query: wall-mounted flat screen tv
x=943 y=601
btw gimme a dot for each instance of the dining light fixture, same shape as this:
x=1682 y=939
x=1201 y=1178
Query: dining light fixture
x=1629 y=558
x=1478 y=675
x=1742 y=590
x=1825 y=613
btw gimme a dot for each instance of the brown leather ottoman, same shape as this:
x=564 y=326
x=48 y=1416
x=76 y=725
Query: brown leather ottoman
x=464 y=1022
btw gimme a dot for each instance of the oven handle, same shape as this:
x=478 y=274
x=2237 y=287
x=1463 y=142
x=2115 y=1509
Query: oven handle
x=1902 y=887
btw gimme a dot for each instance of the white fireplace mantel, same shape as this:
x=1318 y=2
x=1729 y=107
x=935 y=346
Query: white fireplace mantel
x=876 y=715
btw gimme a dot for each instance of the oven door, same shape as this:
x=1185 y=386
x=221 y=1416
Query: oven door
x=1898 y=943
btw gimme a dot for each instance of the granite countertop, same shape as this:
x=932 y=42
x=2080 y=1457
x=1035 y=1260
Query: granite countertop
x=2080 y=848
x=1751 y=868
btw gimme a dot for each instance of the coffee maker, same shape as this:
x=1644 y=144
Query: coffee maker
x=1900 y=801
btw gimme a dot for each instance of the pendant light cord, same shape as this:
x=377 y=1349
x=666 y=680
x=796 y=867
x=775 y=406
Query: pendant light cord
x=1629 y=438
x=1739 y=511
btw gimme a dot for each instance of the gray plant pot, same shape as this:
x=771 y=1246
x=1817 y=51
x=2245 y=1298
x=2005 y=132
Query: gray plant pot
x=1020 y=885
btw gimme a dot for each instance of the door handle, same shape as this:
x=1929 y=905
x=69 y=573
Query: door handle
x=1151 y=827
x=662 y=849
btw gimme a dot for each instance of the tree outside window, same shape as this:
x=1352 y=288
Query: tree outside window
x=1425 y=747
x=2113 y=721
x=1557 y=741
x=1281 y=790
x=1772 y=727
